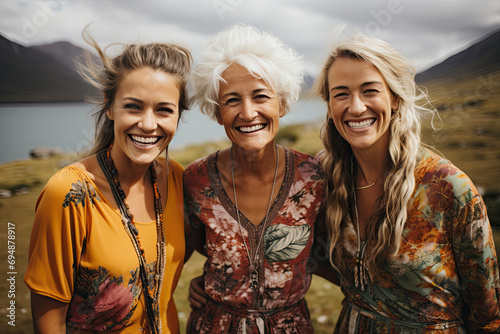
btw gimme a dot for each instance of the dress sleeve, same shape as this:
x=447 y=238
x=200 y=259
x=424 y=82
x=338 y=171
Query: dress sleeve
x=191 y=206
x=194 y=227
x=477 y=265
x=58 y=235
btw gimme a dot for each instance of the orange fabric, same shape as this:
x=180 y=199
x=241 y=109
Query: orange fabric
x=80 y=254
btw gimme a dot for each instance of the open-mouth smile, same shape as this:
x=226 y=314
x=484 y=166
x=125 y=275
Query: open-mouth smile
x=249 y=129
x=361 y=125
x=144 y=141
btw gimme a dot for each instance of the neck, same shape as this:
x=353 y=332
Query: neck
x=255 y=162
x=129 y=173
x=371 y=166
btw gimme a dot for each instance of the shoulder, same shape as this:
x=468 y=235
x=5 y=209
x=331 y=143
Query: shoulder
x=307 y=165
x=301 y=157
x=175 y=171
x=439 y=174
x=66 y=176
x=198 y=166
x=67 y=184
x=164 y=167
x=432 y=166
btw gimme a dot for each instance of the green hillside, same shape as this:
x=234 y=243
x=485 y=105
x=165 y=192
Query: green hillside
x=468 y=137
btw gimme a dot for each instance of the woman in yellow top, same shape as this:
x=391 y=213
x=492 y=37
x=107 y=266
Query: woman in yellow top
x=107 y=245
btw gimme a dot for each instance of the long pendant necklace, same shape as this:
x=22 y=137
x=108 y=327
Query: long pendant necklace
x=254 y=274
x=151 y=293
x=360 y=270
x=360 y=275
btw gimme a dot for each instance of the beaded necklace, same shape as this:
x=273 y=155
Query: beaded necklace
x=151 y=291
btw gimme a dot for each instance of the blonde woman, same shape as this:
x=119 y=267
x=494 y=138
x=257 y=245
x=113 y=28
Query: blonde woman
x=409 y=232
x=107 y=245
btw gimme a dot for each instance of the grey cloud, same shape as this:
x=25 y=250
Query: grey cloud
x=425 y=30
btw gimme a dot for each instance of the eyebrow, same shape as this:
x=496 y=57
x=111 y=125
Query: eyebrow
x=140 y=101
x=258 y=90
x=362 y=85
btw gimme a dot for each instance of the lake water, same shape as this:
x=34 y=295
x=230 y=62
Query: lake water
x=70 y=126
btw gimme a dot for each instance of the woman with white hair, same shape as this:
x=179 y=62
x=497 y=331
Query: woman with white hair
x=252 y=206
x=409 y=232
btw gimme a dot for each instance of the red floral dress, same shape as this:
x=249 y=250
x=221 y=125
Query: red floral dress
x=277 y=305
x=444 y=278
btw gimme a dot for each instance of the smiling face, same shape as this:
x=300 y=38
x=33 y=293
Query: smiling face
x=145 y=114
x=360 y=104
x=249 y=109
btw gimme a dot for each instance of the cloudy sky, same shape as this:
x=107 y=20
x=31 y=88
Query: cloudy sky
x=425 y=30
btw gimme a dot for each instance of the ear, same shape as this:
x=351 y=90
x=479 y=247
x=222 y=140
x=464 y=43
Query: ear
x=218 y=116
x=394 y=103
x=329 y=111
x=282 y=111
x=110 y=114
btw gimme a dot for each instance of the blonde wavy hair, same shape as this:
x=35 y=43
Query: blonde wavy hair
x=404 y=147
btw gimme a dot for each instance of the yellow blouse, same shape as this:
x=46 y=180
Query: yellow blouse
x=80 y=254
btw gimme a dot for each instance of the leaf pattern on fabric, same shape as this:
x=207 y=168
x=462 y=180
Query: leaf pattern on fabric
x=79 y=191
x=446 y=266
x=283 y=242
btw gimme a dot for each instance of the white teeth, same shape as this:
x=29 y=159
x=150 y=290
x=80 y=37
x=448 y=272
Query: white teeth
x=361 y=125
x=144 y=141
x=251 y=128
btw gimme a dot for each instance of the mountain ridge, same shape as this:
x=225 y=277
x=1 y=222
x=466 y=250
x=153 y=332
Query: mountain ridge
x=481 y=57
x=41 y=73
x=47 y=73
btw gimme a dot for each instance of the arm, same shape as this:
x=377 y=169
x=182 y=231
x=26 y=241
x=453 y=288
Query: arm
x=477 y=267
x=326 y=271
x=195 y=240
x=49 y=315
x=56 y=243
x=321 y=261
x=320 y=258
x=197 y=295
x=193 y=227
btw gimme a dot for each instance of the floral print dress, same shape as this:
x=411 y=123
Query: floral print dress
x=444 y=278
x=80 y=254
x=277 y=305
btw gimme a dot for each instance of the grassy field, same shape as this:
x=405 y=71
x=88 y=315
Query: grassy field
x=470 y=119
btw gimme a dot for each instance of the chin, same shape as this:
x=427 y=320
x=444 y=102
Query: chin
x=145 y=159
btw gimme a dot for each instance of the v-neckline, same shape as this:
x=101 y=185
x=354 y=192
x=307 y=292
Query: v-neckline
x=228 y=204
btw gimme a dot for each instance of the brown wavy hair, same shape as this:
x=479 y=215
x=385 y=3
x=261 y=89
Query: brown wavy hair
x=106 y=73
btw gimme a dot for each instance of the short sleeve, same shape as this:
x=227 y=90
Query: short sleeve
x=194 y=175
x=58 y=234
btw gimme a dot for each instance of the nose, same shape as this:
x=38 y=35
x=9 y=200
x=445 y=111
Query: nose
x=248 y=111
x=357 y=105
x=148 y=121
